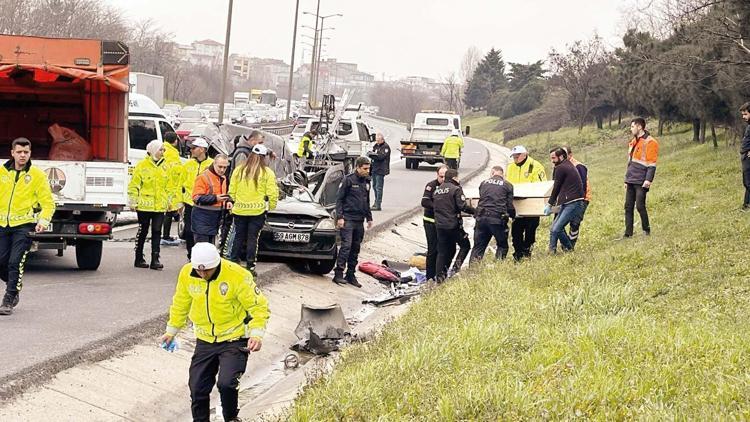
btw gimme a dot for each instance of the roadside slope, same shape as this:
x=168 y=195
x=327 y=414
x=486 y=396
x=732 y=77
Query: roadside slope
x=653 y=327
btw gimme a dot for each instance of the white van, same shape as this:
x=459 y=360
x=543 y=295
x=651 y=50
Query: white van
x=146 y=122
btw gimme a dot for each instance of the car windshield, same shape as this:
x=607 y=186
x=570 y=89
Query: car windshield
x=190 y=114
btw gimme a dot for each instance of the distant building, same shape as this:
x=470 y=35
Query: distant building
x=202 y=53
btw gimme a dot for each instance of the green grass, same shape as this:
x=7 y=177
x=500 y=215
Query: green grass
x=651 y=328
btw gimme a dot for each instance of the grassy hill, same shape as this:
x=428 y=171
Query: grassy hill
x=649 y=328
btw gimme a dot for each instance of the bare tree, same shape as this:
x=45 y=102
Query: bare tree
x=581 y=71
x=450 y=93
x=469 y=63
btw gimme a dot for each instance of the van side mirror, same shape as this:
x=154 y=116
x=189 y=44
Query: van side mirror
x=408 y=127
x=467 y=131
x=372 y=137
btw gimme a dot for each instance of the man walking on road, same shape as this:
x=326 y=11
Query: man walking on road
x=23 y=187
x=381 y=167
x=352 y=209
x=567 y=193
x=229 y=316
x=494 y=209
x=745 y=156
x=642 y=155
x=449 y=201
x=524 y=169
x=583 y=171
x=451 y=149
x=428 y=220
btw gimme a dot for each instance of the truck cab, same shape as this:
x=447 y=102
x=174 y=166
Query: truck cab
x=427 y=134
x=80 y=85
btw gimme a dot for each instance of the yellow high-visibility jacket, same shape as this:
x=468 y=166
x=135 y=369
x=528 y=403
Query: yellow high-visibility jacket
x=531 y=171
x=22 y=191
x=192 y=169
x=452 y=147
x=147 y=189
x=227 y=307
x=175 y=174
x=250 y=199
x=305 y=144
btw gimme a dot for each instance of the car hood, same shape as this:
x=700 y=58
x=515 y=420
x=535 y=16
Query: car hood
x=292 y=206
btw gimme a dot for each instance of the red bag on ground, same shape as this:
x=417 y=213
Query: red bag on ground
x=67 y=145
x=378 y=271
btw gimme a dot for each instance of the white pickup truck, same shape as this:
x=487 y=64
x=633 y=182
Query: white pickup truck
x=81 y=85
x=429 y=131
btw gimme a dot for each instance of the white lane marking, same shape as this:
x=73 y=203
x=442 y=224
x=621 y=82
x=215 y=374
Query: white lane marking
x=125 y=227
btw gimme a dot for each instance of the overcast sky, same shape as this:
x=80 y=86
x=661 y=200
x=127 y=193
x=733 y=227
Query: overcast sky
x=391 y=38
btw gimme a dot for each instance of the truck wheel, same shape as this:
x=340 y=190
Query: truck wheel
x=321 y=266
x=89 y=254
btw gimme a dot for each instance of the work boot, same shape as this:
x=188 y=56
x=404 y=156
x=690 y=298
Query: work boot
x=16 y=300
x=155 y=264
x=253 y=272
x=338 y=277
x=352 y=279
x=140 y=262
x=7 y=307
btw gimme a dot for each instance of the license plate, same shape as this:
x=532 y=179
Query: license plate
x=291 y=237
x=430 y=153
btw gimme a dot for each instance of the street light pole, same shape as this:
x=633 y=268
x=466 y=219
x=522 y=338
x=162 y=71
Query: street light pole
x=317 y=68
x=226 y=61
x=291 y=67
x=313 y=61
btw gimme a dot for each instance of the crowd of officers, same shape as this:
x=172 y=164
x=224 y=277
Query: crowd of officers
x=445 y=205
x=215 y=196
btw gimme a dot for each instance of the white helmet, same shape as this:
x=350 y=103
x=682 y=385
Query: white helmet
x=456 y=132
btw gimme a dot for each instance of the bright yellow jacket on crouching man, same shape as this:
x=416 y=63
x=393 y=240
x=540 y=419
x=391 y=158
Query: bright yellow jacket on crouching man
x=227 y=307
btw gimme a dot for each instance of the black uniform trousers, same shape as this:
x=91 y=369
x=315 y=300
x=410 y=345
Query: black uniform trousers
x=351 y=239
x=452 y=163
x=169 y=216
x=14 y=247
x=187 y=231
x=447 y=241
x=635 y=197
x=430 y=232
x=146 y=220
x=575 y=224
x=247 y=232
x=746 y=179
x=484 y=231
x=523 y=232
x=229 y=362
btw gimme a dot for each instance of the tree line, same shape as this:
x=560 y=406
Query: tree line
x=680 y=61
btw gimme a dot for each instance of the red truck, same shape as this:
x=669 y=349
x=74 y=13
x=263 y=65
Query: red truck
x=81 y=85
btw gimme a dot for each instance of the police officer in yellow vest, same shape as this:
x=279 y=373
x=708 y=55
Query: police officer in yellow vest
x=304 y=150
x=149 y=198
x=524 y=169
x=23 y=188
x=451 y=149
x=175 y=174
x=254 y=191
x=197 y=164
x=229 y=315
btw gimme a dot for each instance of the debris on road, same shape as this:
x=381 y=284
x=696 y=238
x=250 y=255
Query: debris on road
x=321 y=329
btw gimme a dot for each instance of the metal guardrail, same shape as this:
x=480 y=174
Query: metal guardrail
x=280 y=128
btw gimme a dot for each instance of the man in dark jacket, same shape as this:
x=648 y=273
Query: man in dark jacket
x=448 y=202
x=494 y=209
x=352 y=209
x=428 y=220
x=381 y=167
x=567 y=192
x=745 y=156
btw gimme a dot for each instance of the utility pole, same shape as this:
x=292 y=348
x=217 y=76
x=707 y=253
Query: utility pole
x=226 y=61
x=291 y=67
x=313 y=62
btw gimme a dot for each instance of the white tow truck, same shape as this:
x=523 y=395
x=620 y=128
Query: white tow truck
x=427 y=134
